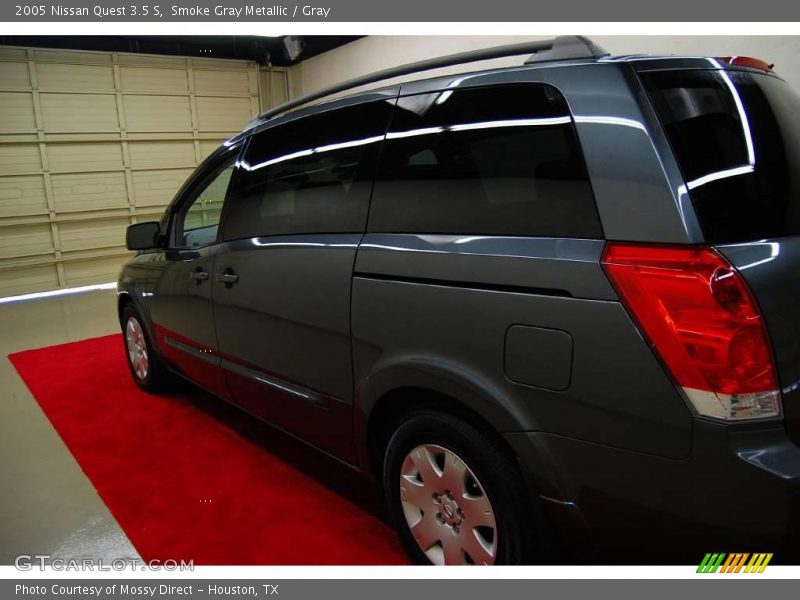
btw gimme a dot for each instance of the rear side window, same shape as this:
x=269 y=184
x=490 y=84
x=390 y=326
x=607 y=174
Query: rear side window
x=312 y=175
x=736 y=137
x=501 y=160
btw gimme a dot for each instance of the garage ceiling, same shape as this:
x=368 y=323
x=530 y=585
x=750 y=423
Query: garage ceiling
x=91 y=142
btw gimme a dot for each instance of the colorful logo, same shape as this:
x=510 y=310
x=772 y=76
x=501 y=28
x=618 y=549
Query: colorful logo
x=734 y=563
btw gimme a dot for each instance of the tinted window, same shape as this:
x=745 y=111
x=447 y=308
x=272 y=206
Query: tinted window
x=502 y=160
x=736 y=137
x=198 y=219
x=313 y=175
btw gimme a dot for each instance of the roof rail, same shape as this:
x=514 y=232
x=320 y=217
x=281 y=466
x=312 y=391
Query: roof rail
x=560 y=48
x=566 y=47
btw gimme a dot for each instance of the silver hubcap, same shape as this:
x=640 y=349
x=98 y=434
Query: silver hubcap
x=446 y=508
x=137 y=347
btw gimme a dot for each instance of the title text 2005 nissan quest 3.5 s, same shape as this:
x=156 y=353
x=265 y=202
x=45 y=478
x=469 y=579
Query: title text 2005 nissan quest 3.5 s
x=557 y=303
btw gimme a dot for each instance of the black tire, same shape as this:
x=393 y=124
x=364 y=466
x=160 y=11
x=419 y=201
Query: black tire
x=156 y=377
x=517 y=516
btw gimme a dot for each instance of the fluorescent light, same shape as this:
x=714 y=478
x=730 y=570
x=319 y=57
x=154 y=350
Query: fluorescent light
x=61 y=292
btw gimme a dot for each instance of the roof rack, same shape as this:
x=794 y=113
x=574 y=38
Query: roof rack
x=567 y=47
x=559 y=48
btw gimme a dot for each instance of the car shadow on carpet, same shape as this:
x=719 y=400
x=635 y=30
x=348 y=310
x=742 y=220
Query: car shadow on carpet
x=324 y=469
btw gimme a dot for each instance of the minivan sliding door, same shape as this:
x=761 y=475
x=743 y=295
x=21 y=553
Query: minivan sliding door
x=283 y=273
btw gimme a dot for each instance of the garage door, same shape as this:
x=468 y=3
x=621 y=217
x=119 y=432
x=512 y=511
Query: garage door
x=91 y=142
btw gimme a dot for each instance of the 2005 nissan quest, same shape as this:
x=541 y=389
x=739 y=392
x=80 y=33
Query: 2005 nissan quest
x=557 y=303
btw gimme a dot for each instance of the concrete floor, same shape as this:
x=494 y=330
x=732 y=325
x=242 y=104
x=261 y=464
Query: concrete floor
x=47 y=505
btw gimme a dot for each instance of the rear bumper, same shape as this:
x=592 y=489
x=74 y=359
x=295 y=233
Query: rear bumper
x=738 y=491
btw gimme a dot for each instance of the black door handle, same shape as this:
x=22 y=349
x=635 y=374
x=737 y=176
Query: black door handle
x=199 y=275
x=228 y=277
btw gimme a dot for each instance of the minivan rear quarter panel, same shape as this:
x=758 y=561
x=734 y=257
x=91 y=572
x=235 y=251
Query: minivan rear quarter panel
x=433 y=310
x=408 y=333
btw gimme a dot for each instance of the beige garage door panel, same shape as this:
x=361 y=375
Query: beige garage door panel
x=75 y=77
x=17 y=159
x=15 y=75
x=88 y=191
x=207 y=147
x=89 y=271
x=178 y=62
x=17 y=114
x=141 y=79
x=28 y=279
x=69 y=57
x=27 y=240
x=23 y=195
x=174 y=113
x=237 y=82
x=88 y=156
x=162 y=155
x=220 y=114
x=91 y=142
x=79 y=113
x=90 y=235
x=151 y=187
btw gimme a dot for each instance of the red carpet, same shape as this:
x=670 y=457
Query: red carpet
x=188 y=477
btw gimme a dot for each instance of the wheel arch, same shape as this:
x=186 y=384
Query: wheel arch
x=123 y=299
x=126 y=297
x=392 y=408
x=390 y=393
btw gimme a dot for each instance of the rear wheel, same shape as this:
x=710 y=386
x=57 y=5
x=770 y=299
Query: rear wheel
x=455 y=496
x=148 y=371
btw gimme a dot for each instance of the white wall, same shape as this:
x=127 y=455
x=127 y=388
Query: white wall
x=379 y=52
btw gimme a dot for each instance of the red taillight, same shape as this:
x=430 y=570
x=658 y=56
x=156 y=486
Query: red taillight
x=699 y=315
x=748 y=61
